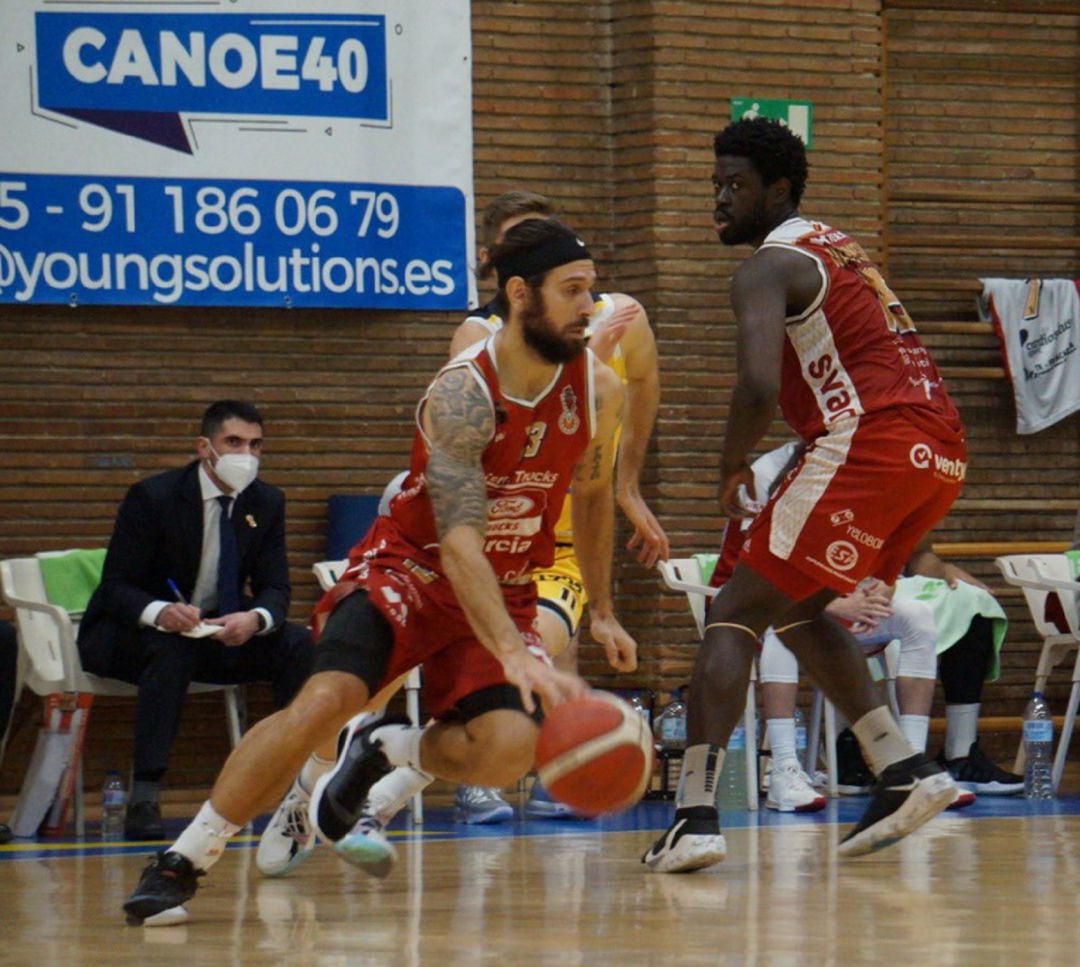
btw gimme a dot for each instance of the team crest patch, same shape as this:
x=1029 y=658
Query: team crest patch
x=569 y=421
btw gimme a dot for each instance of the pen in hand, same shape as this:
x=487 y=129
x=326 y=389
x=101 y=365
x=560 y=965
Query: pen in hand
x=176 y=591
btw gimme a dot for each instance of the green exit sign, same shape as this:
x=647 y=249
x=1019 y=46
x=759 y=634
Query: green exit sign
x=797 y=115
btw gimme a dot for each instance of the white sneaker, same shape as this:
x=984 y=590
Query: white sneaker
x=693 y=842
x=289 y=837
x=367 y=847
x=790 y=790
x=481 y=805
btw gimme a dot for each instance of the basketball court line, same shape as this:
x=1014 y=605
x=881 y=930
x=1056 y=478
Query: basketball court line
x=651 y=815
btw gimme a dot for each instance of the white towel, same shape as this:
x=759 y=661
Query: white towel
x=1038 y=323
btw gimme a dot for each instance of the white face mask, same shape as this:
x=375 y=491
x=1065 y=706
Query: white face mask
x=236 y=470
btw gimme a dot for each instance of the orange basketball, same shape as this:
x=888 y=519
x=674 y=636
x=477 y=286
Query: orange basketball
x=595 y=754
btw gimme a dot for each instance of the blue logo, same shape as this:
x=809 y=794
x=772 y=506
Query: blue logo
x=138 y=73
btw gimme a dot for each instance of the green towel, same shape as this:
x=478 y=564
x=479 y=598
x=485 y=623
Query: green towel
x=707 y=564
x=953 y=610
x=70 y=577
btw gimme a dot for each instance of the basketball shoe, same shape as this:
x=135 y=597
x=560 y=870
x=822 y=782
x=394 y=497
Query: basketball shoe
x=481 y=805
x=366 y=845
x=167 y=882
x=339 y=796
x=693 y=842
x=906 y=795
x=790 y=790
x=540 y=805
x=978 y=772
x=288 y=838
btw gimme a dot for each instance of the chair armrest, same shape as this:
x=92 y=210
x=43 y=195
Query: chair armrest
x=65 y=629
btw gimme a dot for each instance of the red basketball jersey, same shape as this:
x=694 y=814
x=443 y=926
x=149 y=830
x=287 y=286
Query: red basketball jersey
x=527 y=465
x=854 y=350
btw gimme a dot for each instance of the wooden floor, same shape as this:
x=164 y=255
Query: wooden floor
x=996 y=884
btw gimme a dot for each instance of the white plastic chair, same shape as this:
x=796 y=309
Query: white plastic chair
x=1040 y=575
x=684 y=574
x=327 y=574
x=49 y=658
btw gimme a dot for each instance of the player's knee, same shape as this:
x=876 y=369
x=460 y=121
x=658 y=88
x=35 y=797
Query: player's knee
x=328 y=699
x=503 y=747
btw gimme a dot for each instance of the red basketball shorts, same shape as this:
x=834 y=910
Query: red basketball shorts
x=429 y=626
x=855 y=505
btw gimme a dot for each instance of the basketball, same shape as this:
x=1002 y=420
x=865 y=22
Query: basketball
x=595 y=754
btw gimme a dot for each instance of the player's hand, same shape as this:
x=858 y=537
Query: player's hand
x=530 y=673
x=860 y=610
x=648 y=537
x=619 y=647
x=606 y=338
x=176 y=618
x=730 y=502
x=236 y=628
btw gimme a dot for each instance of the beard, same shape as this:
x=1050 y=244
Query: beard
x=541 y=335
x=754 y=225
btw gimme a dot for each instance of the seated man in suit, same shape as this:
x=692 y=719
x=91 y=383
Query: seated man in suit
x=186 y=545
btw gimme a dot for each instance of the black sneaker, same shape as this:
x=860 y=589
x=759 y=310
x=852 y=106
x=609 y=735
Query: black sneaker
x=169 y=881
x=907 y=794
x=143 y=821
x=693 y=842
x=339 y=795
x=977 y=772
x=853 y=775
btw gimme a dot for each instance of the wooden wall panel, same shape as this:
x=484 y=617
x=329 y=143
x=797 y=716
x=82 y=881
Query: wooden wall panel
x=981 y=136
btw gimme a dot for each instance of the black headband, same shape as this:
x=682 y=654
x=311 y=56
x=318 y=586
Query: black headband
x=548 y=254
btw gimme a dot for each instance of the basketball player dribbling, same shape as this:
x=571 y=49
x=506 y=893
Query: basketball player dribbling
x=445 y=579
x=821 y=336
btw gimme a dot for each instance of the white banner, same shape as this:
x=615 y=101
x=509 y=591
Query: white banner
x=237 y=152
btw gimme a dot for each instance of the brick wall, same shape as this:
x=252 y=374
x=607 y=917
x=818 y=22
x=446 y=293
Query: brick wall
x=610 y=108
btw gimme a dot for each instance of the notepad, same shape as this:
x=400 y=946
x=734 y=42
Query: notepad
x=202 y=630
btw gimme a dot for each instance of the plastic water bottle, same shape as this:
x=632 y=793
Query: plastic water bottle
x=731 y=786
x=800 y=736
x=670 y=725
x=638 y=705
x=113 y=800
x=1038 y=749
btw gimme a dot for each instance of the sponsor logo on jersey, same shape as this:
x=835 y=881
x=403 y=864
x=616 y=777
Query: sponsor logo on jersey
x=510 y=507
x=842 y=517
x=569 y=421
x=842 y=555
x=863 y=537
x=833 y=387
x=514 y=525
x=503 y=545
x=424 y=574
x=923 y=457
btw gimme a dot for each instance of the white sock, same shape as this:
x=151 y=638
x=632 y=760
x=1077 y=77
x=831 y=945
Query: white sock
x=401 y=744
x=392 y=791
x=313 y=770
x=700 y=772
x=881 y=740
x=961 y=729
x=915 y=729
x=204 y=840
x=781 y=733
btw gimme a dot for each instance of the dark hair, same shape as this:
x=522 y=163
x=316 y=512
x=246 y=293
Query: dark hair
x=774 y=150
x=217 y=413
x=524 y=235
x=520 y=201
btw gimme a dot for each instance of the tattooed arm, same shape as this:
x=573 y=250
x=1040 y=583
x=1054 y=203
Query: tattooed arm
x=592 y=512
x=459 y=424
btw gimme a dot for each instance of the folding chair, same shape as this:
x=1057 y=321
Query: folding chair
x=49 y=658
x=327 y=573
x=684 y=574
x=1040 y=575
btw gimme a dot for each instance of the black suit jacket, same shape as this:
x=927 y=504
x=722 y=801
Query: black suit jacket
x=157 y=536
